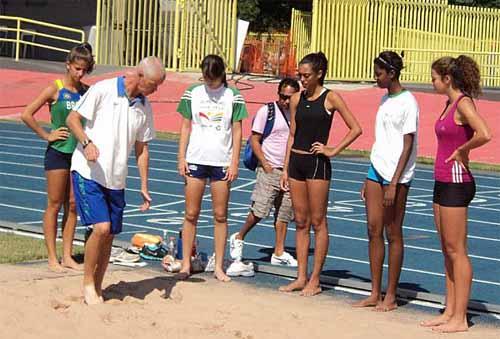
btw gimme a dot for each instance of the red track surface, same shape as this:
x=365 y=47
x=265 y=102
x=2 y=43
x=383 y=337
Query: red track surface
x=18 y=88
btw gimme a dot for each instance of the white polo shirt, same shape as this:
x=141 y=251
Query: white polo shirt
x=113 y=123
x=396 y=116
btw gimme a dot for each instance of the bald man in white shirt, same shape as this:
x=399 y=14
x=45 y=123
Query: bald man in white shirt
x=117 y=117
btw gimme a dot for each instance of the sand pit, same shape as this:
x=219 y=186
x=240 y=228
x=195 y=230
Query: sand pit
x=144 y=303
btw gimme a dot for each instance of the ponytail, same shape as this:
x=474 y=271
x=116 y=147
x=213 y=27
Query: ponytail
x=318 y=62
x=463 y=72
x=82 y=51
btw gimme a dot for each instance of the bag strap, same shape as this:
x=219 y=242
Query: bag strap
x=284 y=116
x=271 y=115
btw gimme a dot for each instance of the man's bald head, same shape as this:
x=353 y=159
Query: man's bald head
x=152 y=68
x=146 y=76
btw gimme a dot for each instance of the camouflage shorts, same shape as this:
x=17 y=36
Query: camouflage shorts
x=268 y=194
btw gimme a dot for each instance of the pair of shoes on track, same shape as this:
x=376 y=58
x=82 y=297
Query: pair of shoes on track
x=236 y=252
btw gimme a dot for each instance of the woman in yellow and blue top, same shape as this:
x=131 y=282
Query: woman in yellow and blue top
x=61 y=96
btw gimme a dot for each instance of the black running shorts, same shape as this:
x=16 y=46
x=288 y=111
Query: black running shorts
x=449 y=194
x=309 y=166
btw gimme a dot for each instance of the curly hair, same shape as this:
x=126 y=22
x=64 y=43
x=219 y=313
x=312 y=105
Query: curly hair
x=390 y=61
x=463 y=72
x=83 y=52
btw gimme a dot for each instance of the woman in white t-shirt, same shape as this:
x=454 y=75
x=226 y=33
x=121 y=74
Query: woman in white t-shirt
x=211 y=129
x=389 y=177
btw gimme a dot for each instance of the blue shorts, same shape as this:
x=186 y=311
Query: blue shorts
x=213 y=173
x=96 y=203
x=373 y=175
x=55 y=159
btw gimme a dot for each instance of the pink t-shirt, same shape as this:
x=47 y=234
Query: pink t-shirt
x=274 y=146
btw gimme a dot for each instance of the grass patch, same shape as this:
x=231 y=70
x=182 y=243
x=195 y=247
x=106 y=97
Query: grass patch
x=167 y=136
x=17 y=248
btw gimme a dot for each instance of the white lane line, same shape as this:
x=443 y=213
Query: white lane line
x=411 y=228
x=271 y=226
x=343 y=202
x=472 y=205
x=345 y=162
x=35 y=222
x=22 y=208
x=247 y=179
x=204 y=198
x=493 y=204
x=174 y=145
x=19 y=164
x=130 y=166
x=428 y=214
x=23 y=154
x=486 y=282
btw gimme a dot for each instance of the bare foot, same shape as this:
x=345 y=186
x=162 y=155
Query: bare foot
x=386 y=305
x=311 y=289
x=98 y=291
x=371 y=301
x=221 y=276
x=182 y=275
x=295 y=285
x=436 y=321
x=56 y=267
x=452 y=326
x=72 y=264
x=90 y=296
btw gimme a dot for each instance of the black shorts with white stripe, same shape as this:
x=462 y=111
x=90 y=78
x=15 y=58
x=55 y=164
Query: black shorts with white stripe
x=450 y=194
x=309 y=167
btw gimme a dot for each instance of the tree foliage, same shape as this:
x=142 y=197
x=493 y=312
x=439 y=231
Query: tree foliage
x=270 y=15
x=476 y=3
x=248 y=10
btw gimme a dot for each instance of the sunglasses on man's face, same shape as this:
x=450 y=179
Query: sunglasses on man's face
x=284 y=97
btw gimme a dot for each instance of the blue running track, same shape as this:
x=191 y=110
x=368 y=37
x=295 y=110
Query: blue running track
x=23 y=200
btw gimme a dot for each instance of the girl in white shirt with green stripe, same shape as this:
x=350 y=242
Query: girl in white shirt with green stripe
x=210 y=140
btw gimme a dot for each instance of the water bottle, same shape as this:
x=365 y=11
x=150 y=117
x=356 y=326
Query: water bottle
x=165 y=239
x=179 y=246
x=171 y=247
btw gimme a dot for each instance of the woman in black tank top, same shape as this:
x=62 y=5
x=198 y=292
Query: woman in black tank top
x=307 y=168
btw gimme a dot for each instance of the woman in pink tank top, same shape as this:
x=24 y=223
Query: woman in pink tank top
x=459 y=129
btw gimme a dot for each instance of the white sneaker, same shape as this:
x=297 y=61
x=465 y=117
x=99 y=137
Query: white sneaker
x=286 y=259
x=235 y=247
x=239 y=268
x=210 y=264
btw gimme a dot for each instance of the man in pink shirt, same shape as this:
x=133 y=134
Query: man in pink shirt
x=267 y=192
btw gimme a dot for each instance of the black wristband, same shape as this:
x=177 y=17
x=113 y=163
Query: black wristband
x=86 y=142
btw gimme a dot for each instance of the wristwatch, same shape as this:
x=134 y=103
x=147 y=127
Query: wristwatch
x=86 y=142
